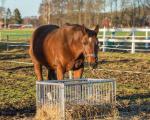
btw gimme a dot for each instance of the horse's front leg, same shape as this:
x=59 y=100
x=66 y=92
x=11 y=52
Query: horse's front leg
x=77 y=74
x=60 y=72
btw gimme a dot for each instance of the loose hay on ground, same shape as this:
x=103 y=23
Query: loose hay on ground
x=75 y=112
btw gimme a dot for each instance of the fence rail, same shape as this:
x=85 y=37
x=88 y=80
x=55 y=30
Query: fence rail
x=131 y=41
x=14 y=40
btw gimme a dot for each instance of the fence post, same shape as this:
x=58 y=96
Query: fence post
x=70 y=74
x=7 y=44
x=104 y=39
x=133 y=41
x=62 y=104
x=146 y=38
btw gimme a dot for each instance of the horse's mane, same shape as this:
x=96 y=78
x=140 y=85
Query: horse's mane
x=74 y=27
x=69 y=24
x=80 y=27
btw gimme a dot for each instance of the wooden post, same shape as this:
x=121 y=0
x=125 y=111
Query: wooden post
x=133 y=41
x=104 y=39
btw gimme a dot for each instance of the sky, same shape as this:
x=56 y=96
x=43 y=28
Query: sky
x=26 y=7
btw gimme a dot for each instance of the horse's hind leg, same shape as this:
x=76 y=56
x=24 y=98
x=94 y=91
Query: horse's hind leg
x=37 y=65
x=51 y=75
x=38 y=71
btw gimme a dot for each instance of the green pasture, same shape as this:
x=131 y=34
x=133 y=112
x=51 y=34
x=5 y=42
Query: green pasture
x=22 y=35
x=17 y=35
x=108 y=33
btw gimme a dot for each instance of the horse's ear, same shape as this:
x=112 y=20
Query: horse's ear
x=96 y=29
x=83 y=29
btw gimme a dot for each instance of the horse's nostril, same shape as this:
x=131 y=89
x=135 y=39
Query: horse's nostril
x=93 y=65
x=96 y=59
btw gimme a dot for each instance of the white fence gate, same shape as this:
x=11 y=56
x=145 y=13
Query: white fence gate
x=130 y=38
x=68 y=95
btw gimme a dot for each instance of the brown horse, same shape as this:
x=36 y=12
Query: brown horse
x=63 y=49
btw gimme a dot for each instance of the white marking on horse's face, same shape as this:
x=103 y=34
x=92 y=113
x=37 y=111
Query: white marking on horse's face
x=90 y=39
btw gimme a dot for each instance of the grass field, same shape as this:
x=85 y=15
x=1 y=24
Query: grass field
x=138 y=33
x=17 y=84
x=15 y=34
x=22 y=35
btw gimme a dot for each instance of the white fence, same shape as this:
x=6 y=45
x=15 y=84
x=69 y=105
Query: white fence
x=131 y=39
x=95 y=95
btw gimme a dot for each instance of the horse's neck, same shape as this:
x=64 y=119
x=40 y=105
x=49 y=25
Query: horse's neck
x=77 y=49
x=74 y=40
x=77 y=56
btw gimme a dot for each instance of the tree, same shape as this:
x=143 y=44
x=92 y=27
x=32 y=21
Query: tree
x=73 y=11
x=8 y=16
x=17 y=16
x=147 y=4
x=2 y=12
x=8 y=13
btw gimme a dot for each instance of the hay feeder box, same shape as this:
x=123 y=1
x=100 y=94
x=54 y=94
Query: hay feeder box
x=68 y=97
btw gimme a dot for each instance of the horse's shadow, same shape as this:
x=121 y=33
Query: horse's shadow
x=117 y=61
x=133 y=107
x=134 y=96
x=10 y=57
x=16 y=68
x=113 y=61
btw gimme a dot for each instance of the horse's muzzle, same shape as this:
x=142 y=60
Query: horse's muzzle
x=93 y=65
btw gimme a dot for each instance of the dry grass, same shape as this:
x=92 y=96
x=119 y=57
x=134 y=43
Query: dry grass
x=48 y=113
x=75 y=112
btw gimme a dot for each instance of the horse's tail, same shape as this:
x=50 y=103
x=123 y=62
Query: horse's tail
x=30 y=51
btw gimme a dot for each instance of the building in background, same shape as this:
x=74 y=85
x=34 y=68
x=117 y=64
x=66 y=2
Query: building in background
x=32 y=20
x=1 y=24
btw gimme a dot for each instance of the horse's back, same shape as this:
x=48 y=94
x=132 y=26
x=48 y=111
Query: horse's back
x=36 y=43
x=43 y=31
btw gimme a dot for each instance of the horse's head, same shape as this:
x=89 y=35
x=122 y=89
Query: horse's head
x=85 y=41
x=90 y=45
